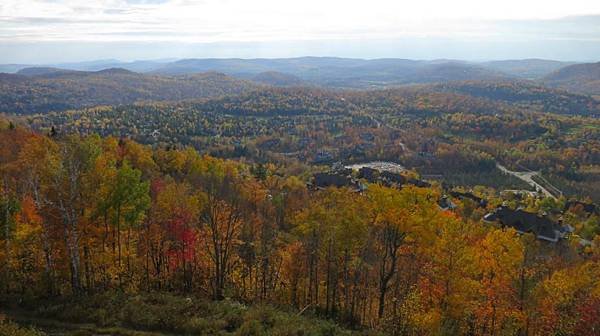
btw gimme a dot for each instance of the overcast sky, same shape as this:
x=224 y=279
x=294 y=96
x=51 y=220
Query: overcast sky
x=42 y=31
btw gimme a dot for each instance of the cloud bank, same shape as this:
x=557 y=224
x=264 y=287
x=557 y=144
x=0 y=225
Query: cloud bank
x=217 y=27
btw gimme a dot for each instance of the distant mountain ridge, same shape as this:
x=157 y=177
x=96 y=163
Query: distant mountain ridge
x=340 y=72
x=44 y=89
x=333 y=71
x=43 y=71
x=532 y=68
x=58 y=72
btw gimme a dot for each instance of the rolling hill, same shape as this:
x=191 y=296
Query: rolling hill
x=526 y=68
x=338 y=72
x=582 y=78
x=341 y=72
x=275 y=78
x=526 y=94
x=41 y=90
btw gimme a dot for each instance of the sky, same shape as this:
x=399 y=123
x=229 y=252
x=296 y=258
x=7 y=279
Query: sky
x=46 y=31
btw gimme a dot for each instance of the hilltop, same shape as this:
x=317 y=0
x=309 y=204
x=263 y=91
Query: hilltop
x=41 y=90
x=583 y=78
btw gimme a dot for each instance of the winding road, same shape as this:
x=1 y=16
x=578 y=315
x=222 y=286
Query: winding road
x=527 y=177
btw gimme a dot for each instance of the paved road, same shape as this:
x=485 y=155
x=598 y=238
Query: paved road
x=527 y=177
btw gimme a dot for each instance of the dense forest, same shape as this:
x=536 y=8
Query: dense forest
x=43 y=90
x=137 y=204
x=168 y=230
x=299 y=168
x=456 y=132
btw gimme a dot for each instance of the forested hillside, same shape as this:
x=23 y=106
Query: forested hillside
x=43 y=90
x=278 y=79
x=527 y=94
x=85 y=215
x=583 y=78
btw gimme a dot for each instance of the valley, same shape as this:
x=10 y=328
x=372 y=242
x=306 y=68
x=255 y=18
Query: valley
x=170 y=203
x=299 y=168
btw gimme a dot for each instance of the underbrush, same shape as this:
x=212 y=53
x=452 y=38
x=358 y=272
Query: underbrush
x=8 y=328
x=184 y=316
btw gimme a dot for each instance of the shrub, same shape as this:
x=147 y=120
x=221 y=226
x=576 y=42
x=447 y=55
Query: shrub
x=251 y=328
x=163 y=312
x=8 y=328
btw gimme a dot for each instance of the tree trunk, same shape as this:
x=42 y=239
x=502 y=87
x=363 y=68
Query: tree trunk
x=73 y=248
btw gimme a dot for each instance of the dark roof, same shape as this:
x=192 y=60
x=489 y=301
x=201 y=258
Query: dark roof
x=393 y=177
x=526 y=222
x=419 y=183
x=324 y=180
x=368 y=174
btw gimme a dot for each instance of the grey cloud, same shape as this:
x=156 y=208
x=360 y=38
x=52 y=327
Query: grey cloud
x=26 y=22
x=570 y=38
x=157 y=33
x=34 y=21
x=146 y=2
x=117 y=11
x=125 y=11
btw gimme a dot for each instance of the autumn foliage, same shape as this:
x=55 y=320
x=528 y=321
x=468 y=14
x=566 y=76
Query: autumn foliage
x=81 y=215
